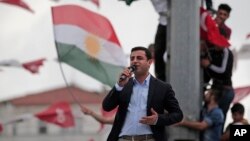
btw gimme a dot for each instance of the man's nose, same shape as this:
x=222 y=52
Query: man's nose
x=134 y=60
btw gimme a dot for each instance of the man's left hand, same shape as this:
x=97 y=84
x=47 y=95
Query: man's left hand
x=150 y=120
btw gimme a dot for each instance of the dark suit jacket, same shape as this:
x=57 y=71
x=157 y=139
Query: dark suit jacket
x=160 y=97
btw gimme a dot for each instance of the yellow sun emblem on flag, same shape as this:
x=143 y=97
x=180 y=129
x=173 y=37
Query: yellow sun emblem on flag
x=92 y=45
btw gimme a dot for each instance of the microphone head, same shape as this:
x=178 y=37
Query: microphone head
x=132 y=68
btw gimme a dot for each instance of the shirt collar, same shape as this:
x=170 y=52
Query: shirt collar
x=145 y=82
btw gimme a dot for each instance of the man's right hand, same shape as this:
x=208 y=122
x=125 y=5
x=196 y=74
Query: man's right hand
x=126 y=72
x=205 y=63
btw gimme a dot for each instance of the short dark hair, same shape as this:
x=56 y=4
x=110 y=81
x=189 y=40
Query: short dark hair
x=217 y=94
x=147 y=52
x=225 y=7
x=239 y=108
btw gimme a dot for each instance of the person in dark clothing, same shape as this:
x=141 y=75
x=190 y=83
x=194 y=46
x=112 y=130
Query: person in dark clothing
x=160 y=44
x=220 y=65
x=209 y=6
x=142 y=101
x=219 y=69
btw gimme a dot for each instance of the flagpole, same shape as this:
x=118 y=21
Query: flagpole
x=65 y=80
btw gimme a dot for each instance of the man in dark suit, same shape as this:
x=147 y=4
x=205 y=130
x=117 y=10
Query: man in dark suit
x=146 y=104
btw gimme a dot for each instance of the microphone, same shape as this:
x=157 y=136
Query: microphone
x=131 y=69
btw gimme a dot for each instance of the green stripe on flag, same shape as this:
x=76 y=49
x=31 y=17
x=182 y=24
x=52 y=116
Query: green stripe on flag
x=73 y=56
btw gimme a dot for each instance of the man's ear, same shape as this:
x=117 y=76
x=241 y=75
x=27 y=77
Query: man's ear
x=150 y=61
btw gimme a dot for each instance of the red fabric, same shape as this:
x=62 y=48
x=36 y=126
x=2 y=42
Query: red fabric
x=91 y=139
x=85 y=19
x=248 y=36
x=19 y=3
x=96 y=2
x=33 y=66
x=1 y=127
x=59 y=114
x=241 y=93
x=209 y=30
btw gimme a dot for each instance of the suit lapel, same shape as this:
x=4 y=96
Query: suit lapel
x=128 y=91
x=150 y=93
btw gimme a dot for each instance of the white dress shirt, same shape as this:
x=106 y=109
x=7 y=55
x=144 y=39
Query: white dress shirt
x=137 y=109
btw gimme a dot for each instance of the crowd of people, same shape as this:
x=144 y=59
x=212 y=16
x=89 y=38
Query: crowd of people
x=217 y=63
x=133 y=95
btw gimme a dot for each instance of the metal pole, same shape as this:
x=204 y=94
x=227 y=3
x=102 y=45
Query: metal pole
x=183 y=71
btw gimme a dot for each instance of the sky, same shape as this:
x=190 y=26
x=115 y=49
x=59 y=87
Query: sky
x=28 y=36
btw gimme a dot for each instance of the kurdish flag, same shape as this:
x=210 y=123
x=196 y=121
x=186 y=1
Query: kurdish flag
x=86 y=41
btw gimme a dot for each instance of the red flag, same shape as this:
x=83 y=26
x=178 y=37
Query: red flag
x=241 y=93
x=1 y=127
x=33 y=66
x=19 y=3
x=96 y=2
x=91 y=139
x=209 y=30
x=248 y=36
x=59 y=114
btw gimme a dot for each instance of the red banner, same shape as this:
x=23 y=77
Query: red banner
x=59 y=114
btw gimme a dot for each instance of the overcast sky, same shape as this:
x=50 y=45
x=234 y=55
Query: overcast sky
x=25 y=36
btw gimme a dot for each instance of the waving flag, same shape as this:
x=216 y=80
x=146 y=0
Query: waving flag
x=241 y=93
x=32 y=66
x=59 y=114
x=96 y=2
x=19 y=3
x=209 y=30
x=248 y=36
x=86 y=41
x=1 y=128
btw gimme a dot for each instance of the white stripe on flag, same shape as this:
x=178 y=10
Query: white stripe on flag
x=109 y=53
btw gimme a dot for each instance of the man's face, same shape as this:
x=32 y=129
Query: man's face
x=237 y=117
x=139 y=59
x=207 y=96
x=221 y=16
